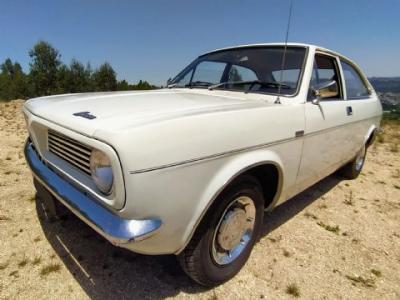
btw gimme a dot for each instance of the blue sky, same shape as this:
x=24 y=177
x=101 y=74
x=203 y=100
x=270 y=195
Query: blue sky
x=153 y=40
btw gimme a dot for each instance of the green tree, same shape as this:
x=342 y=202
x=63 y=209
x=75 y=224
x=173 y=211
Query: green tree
x=48 y=75
x=104 y=78
x=80 y=77
x=13 y=81
x=143 y=85
x=44 y=67
x=123 y=85
x=75 y=78
x=63 y=80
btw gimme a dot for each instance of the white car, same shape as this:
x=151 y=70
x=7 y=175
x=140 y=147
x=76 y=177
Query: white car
x=190 y=169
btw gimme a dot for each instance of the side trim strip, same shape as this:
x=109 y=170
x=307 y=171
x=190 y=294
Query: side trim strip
x=213 y=156
x=255 y=147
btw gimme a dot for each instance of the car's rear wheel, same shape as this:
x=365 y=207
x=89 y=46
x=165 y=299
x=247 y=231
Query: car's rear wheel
x=223 y=241
x=352 y=169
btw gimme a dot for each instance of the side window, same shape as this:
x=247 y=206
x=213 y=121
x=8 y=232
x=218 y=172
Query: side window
x=238 y=73
x=324 y=70
x=355 y=86
x=209 y=72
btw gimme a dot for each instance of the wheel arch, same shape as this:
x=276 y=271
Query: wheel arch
x=256 y=164
x=369 y=138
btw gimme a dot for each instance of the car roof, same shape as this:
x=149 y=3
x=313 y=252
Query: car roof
x=275 y=44
x=310 y=46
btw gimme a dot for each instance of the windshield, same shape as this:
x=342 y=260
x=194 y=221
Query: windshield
x=252 y=69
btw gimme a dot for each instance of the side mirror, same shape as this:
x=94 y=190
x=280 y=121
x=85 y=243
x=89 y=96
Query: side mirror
x=323 y=90
x=169 y=81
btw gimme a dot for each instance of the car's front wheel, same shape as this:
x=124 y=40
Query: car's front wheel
x=223 y=241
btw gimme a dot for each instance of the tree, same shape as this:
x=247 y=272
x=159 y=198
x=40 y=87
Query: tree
x=13 y=81
x=48 y=75
x=44 y=65
x=74 y=79
x=80 y=77
x=123 y=85
x=143 y=85
x=104 y=78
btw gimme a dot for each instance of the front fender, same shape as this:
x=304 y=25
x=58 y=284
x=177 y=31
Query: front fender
x=235 y=166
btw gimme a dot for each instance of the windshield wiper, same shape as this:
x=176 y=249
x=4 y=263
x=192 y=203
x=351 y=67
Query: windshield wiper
x=252 y=83
x=198 y=83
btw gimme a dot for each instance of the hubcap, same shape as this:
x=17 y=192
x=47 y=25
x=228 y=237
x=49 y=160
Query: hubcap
x=360 y=159
x=234 y=230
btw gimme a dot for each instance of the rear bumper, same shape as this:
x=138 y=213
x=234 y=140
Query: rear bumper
x=117 y=230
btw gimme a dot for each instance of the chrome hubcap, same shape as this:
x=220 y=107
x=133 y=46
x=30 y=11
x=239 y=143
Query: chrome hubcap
x=360 y=159
x=234 y=230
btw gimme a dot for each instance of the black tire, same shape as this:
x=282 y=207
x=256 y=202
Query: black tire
x=52 y=208
x=352 y=169
x=196 y=259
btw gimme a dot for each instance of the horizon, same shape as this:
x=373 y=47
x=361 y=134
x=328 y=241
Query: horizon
x=153 y=42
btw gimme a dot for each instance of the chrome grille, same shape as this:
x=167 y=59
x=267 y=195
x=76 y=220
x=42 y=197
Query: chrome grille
x=70 y=150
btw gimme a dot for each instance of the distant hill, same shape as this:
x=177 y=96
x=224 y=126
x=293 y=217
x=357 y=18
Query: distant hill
x=388 y=89
x=386 y=84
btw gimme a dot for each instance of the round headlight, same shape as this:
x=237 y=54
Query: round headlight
x=102 y=174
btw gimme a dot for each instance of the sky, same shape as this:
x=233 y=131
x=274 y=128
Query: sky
x=154 y=40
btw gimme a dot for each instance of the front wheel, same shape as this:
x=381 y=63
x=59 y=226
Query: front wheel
x=224 y=240
x=352 y=169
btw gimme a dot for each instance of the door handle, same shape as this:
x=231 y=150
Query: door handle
x=349 y=110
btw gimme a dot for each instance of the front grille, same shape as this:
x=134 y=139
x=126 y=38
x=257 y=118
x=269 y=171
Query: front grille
x=70 y=150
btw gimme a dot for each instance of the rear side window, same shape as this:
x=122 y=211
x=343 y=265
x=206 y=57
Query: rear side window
x=355 y=86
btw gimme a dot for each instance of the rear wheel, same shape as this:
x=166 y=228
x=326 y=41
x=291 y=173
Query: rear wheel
x=354 y=167
x=224 y=240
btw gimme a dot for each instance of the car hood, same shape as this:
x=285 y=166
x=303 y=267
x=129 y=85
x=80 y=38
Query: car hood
x=116 y=111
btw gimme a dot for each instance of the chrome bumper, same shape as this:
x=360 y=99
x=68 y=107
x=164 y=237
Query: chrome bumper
x=114 y=228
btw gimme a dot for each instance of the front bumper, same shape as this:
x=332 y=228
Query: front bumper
x=117 y=230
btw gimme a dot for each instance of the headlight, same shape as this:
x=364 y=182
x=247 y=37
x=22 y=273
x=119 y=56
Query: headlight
x=100 y=167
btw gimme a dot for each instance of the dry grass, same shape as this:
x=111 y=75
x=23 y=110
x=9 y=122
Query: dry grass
x=335 y=229
x=349 y=199
x=4 y=218
x=377 y=273
x=50 y=268
x=286 y=253
x=4 y=265
x=23 y=262
x=310 y=215
x=366 y=282
x=37 y=260
x=293 y=289
x=394 y=147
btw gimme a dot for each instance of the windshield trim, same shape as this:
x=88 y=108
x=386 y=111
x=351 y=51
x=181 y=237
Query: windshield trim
x=300 y=81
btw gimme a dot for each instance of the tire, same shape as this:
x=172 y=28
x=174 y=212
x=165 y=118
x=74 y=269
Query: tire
x=352 y=169
x=202 y=259
x=52 y=208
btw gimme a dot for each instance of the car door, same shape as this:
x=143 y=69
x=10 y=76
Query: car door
x=326 y=140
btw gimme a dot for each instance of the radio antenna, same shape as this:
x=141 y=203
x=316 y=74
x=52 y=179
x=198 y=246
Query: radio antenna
x=278 y=101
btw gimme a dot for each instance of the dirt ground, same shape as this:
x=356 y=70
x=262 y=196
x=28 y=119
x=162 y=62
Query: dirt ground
x=337 y=240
